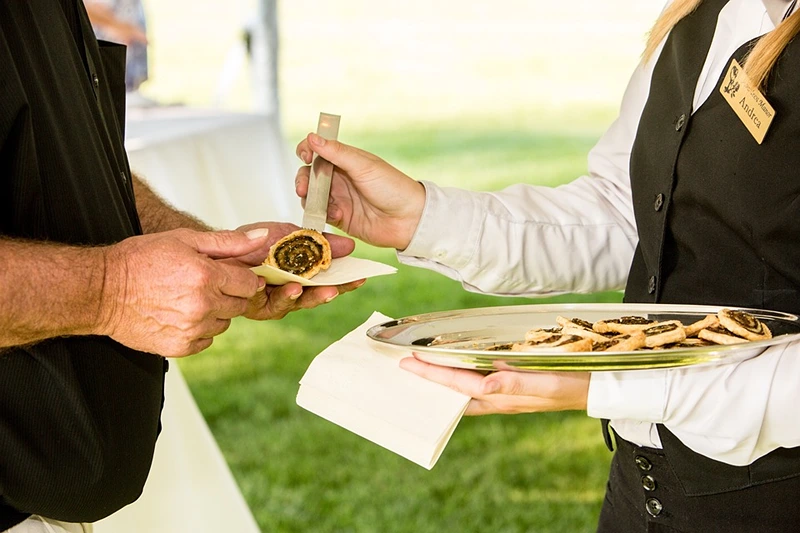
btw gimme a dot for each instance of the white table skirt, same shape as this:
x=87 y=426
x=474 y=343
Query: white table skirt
x=227 y=169
x=190 y=488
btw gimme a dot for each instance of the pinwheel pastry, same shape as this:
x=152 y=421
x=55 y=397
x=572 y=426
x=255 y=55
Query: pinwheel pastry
x=631 y=333
x=720 y=335
x=662 y=333
x=694 y=328
x=626 y=324
x=627 y=342
x=744 y=324
x=303 y=252
x=581 y=328
x=555 y=342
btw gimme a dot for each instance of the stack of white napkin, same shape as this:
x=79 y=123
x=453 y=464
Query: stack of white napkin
x=357 y=383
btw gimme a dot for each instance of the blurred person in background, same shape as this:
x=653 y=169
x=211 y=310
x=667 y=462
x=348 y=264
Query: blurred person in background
x=687 y=201
x=123 y=21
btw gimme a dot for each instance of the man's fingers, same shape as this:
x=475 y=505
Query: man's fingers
x=353 y=285
x=238 y=281
x=198 y=346
x=282 y=300
x=340 y=245
x=217 y=327
x=223 y=244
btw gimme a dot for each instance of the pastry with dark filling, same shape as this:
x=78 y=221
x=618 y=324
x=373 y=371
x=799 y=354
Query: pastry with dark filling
x=580 y=327
x=626 y=324
x=663 y=333
x=539 y=334
x=706 y=322
x=690 y=342
x=621 y=343
x=303 y=253
x=744 y=325
x=719 y=335
x=556 y=342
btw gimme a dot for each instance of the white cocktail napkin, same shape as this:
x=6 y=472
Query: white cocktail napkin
x=342 y=270
x=357 y=383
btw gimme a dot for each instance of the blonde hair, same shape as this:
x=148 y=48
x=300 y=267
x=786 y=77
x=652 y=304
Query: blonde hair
x=758 y=62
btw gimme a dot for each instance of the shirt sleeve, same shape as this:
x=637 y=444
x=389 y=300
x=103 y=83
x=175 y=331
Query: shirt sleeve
x=734 y=413
x=535 y=240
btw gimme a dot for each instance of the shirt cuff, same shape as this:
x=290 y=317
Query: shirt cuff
x=639 y=395
x=444 y=235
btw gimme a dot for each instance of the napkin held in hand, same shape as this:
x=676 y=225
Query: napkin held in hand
x=358 y=384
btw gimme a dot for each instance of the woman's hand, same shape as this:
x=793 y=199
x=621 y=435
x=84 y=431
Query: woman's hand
x=370 y=199
x=509 y=392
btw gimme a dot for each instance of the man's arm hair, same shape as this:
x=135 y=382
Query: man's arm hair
x=49 y=290
x=157 y=215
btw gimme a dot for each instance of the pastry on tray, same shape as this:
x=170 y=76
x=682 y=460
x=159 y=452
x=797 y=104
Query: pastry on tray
x=744 y=325
x=631 y=333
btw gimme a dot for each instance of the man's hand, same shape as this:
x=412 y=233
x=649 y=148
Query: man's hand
x=276 y=302
x=168 y=293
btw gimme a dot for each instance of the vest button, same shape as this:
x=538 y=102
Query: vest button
x=648 y=483
x=651 y=285
x=95 y=80
x=680 y=122
x=653 y=507
x=659 y=202
x=643 y=463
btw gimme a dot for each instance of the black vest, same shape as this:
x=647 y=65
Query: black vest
x=718 y=215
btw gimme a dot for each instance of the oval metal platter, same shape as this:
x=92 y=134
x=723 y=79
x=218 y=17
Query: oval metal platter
x=475 y=338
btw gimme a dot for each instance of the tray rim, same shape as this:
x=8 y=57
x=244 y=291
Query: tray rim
x=600 y=361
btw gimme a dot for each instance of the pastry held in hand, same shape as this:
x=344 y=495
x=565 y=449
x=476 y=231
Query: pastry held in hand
x=303 y=253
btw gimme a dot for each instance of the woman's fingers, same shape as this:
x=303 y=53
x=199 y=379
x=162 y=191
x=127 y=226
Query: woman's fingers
x=463 y=381
x=509 y=391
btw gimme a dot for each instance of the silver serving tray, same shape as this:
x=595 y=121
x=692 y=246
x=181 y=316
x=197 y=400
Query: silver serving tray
x=462 y=338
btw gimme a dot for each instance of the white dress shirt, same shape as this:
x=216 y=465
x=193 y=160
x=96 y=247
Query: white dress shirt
x=580 y=237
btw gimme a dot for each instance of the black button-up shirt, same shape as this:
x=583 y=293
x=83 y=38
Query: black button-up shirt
x=78 y=416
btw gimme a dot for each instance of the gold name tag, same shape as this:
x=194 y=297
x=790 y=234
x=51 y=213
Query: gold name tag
x=747 y=101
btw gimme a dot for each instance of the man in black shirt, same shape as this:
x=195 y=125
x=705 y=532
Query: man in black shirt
x=97 y=275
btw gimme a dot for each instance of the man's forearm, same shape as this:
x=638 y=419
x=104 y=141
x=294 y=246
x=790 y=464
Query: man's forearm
x=157 y=215
x=49 y=290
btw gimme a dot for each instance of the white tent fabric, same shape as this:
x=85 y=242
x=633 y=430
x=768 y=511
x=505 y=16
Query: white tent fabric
x=227 y=169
